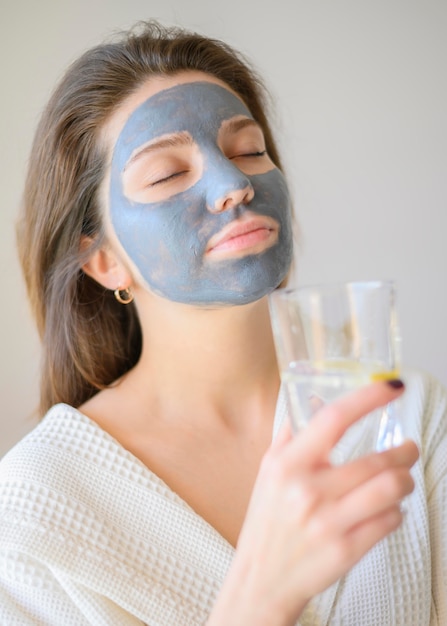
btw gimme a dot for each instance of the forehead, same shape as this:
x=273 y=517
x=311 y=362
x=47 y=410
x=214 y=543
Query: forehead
x=197 y=107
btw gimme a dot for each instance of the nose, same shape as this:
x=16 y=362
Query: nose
x=228 y=188
x=233 y=198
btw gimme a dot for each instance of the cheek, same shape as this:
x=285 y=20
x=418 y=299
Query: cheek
x=272 y=195
x=161 y=234
x=179 y=223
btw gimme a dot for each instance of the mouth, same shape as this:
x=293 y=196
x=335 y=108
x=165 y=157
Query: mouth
x=251 y=234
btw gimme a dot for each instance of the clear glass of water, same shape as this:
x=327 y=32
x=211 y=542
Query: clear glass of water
x=331 y=339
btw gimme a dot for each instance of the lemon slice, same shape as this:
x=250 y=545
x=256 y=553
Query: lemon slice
x=373 y=370
x=384 y=375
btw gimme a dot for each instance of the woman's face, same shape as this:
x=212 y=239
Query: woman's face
x=194 y=199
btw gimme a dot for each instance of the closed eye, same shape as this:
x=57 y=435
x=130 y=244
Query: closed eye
x=163 y=168
x=165 y=179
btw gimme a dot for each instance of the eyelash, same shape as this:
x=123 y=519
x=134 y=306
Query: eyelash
x=251 y=154
x=164 y=180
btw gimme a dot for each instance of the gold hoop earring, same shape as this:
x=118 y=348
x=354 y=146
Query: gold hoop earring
x=124 y=296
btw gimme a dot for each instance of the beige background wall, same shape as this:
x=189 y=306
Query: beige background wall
x=361 y=100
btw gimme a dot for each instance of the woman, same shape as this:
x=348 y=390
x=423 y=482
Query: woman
x=156 y=221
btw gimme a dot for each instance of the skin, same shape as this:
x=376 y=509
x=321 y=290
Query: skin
x=198 y=409
x=167 y=202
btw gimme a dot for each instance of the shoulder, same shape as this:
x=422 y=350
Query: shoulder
x=39 y=456
x=424 y=417
x=38 y=472
x=58 y=469
x=68 y=469
x=46 y=433
x=424 y=385
x=424 y=407
x=60 y=485
x=69 y=454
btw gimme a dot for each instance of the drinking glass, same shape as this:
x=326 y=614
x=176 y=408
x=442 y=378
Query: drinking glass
x=331 y=339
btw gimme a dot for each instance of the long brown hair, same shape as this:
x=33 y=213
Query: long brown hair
x=88 y=338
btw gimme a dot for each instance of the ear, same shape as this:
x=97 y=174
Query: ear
x=105 y=266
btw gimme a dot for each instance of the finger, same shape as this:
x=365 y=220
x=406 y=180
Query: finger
x=372 y=498
x=360 y=539
x=336 y=557
x=313 y=444
x=365 y=535
x=342 y=479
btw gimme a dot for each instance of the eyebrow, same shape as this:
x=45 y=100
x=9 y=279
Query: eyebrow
x=179 y=139
x=233 y=126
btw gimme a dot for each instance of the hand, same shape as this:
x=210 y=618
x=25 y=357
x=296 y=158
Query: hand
x=309 y=522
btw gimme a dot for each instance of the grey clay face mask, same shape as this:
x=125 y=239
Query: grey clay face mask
x=167 y=239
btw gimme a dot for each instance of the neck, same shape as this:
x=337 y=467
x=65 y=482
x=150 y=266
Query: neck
x=222 y=359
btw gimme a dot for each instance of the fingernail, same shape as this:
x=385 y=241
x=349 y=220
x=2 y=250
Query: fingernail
x=395 y=383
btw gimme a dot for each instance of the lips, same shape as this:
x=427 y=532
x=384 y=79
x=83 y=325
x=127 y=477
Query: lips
x=251 y=233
